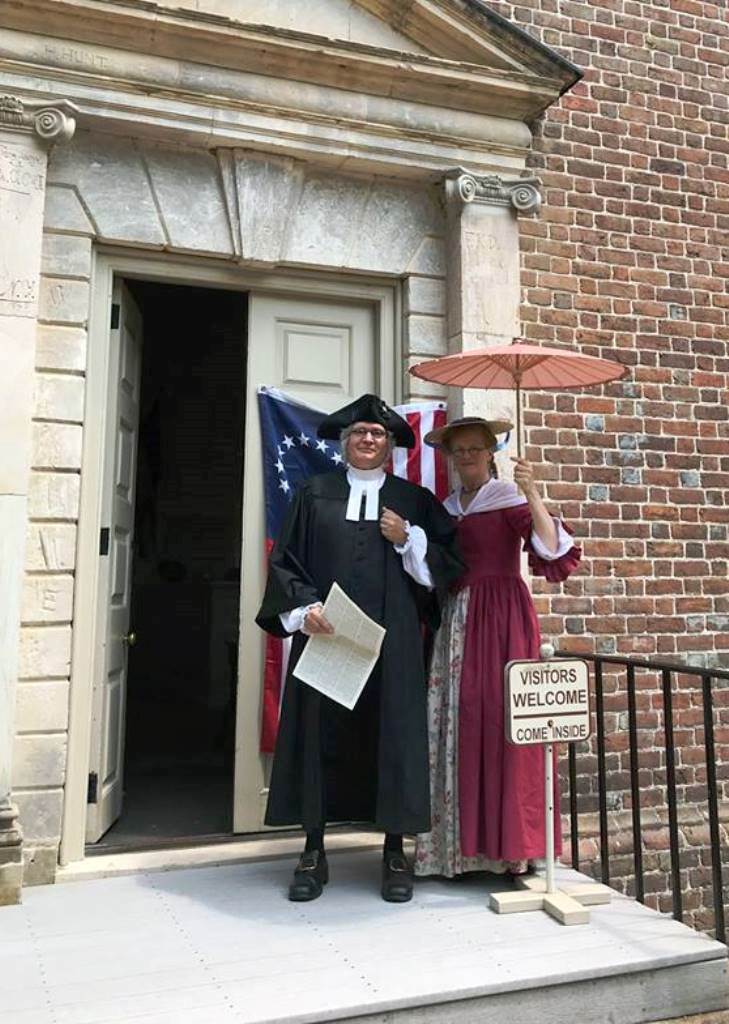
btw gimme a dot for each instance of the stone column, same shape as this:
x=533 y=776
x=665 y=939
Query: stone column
x=483 y=286
x=27 y=129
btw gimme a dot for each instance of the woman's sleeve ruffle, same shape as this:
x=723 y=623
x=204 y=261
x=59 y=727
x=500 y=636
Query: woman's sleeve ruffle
x=558 y=569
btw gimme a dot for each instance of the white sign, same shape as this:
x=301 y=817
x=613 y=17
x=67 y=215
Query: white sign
x=547 y=701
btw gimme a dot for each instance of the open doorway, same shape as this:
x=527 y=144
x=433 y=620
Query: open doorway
x=179 y=732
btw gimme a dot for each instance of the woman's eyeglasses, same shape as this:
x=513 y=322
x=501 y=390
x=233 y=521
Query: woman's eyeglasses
x=362 y=432
x=462 y=453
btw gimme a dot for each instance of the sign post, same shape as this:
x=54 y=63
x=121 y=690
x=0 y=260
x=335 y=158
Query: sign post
x=549 y=816
x=548 y=701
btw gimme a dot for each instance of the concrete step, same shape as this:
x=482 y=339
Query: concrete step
x=223 y=944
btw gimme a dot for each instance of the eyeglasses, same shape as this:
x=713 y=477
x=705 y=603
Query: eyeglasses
x=362 y=432
x=462 y=453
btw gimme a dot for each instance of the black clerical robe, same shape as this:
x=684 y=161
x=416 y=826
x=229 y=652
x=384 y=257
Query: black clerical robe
x=369 y=764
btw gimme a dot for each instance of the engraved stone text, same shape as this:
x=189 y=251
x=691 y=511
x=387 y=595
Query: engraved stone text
x=77 y=57
x=20 y=172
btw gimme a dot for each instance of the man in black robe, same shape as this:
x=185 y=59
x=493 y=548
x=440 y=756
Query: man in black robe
x=390 y=545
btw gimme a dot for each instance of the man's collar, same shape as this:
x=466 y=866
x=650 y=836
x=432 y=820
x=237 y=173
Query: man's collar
x=364 y=483
x=365 y=474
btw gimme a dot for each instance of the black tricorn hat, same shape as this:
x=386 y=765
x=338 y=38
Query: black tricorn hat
x=367 y=409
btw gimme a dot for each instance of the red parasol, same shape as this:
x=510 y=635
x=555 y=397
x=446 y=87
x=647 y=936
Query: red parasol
x=519 y=365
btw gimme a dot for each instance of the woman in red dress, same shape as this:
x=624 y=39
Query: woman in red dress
x=487 y=794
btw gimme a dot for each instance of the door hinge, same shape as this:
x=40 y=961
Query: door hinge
x=115 y=315
x=104 y=541
x=93 y=790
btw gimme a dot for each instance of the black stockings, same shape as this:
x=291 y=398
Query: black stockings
x=315 y=841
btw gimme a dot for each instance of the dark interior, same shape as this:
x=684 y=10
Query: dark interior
x=181 y=690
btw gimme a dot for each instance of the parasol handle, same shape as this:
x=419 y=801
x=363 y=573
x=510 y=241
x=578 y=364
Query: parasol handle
x=518 y=419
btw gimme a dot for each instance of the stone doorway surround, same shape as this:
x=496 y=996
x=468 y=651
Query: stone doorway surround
x=236 y=149
x=27 y=129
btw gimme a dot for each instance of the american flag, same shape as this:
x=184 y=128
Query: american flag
x=292 y=452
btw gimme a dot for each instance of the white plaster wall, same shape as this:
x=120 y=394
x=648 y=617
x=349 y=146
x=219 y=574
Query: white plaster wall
x=245 y=207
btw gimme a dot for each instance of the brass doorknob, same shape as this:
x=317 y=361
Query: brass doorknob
x=130 y=639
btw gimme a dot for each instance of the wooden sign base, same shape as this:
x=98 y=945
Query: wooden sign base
x=566 y=905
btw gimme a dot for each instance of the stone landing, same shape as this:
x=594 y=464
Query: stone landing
x=222 y=944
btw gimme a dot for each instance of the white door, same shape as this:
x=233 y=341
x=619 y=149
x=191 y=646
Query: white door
x=325 y=353
x=115 y=551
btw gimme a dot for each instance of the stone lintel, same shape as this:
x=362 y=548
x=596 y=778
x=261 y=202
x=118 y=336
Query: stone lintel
x=524 y=90
x=201 y=105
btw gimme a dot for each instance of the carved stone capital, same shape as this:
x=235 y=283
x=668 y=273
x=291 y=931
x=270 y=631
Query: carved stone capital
x=521 y=193
x=11 y=854
x=9 y=819
x=52 y=121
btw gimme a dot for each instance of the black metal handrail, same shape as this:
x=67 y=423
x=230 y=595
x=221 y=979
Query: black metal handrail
x=666 y=670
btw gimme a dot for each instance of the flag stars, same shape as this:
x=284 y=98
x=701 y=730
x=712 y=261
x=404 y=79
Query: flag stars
x=312 y=455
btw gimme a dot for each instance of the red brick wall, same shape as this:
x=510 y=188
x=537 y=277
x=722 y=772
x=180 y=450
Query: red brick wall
x=629 y=258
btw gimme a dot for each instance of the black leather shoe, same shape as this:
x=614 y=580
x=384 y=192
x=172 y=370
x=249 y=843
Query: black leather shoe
x=310 y=876
x=397 y=878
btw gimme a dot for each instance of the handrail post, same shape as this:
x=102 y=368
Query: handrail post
x=601 y=774
x=635 y=787
x=711 y=795
x=671 y=793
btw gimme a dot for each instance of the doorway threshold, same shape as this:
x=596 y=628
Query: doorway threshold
x=151 y=845
x=221 y=850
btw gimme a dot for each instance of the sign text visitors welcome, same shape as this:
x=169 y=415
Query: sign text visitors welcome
x=547 y=701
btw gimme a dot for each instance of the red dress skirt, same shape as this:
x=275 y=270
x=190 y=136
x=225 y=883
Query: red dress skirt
x=487 y=794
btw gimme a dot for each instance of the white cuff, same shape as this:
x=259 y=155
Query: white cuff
x=293 y=621
x=413 y=553
x=409 y=539
x=564 y=543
